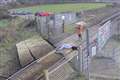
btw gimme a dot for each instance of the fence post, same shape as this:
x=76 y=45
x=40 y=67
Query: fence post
x=63 y=23
x=54 y=24
x=46 y=74
x=35 y=23
x=40 y=25
x=47 y=27
x=88 y=51
x=79 y=59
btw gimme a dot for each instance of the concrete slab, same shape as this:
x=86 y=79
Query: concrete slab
x=35 y=46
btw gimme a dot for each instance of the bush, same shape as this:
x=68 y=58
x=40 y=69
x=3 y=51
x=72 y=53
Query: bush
x=4 y=13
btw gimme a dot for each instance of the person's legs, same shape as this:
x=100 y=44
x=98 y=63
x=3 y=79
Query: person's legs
x=80 y=36
x=74 y=48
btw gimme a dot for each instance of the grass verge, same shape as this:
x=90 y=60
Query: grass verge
x=56 y=8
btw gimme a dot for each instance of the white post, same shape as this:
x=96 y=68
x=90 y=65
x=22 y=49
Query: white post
x=46 y=74
x=63 y=24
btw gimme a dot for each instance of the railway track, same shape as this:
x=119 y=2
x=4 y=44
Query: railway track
x=34 y=71
x=51 y=61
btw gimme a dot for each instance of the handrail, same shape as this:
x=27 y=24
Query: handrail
x=58 y=62
x=36 y=61
x=111 y=17
x=60 y=65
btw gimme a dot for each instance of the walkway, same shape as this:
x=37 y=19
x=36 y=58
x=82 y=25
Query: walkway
x=103 y=66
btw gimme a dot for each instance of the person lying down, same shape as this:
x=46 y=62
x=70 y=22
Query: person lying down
x=65 y=46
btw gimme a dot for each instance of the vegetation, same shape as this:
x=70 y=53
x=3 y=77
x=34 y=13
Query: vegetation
x=14 y=32
x=3 y=13
x=62 y=7
x=9 y=36
x=4 y=23
x=70 y=28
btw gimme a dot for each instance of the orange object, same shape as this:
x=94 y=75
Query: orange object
x=80 y=28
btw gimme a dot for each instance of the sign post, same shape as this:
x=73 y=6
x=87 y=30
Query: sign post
x=63 y=24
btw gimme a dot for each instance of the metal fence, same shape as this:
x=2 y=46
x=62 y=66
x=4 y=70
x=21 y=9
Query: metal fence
x=54 y=24
x=116 y=54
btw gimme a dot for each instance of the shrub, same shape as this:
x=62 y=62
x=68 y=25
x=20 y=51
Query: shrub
x=4 y=13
